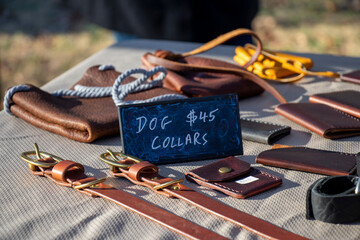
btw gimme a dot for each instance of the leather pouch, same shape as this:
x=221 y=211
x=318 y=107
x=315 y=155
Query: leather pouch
x=80 y=119
x=346 y=101
x=321 y=119
x=199 y=76
x=233 y=177
x=309 y=160
x=262 y=132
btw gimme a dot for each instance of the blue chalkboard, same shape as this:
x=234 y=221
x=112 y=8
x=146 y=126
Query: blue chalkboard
x=182 y=130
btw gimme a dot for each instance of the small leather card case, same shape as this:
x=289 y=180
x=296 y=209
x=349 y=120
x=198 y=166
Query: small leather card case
x=233 y=177
x=309 y=160
x=346 y=101
x=262 y=132
x=324 y=120
x=353 y=77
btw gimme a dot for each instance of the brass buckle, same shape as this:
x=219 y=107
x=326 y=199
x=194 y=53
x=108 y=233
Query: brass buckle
x=89 y=184
x=169 y=183
x=33 y=163
x=114 y=161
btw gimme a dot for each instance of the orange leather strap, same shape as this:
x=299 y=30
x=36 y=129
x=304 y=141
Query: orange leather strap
x=139 y=174
x=71 y=174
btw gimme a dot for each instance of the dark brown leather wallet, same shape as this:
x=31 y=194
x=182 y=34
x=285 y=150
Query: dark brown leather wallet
x=346 y=101
x=309 y=160
x=233 y=177
x=324 y=120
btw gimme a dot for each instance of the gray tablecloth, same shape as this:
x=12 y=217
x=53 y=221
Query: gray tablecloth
x=35 y=208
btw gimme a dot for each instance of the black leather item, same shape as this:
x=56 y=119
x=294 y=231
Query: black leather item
x=333 y=200
x=262 y=132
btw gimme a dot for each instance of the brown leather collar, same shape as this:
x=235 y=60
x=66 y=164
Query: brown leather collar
x=71 y=174
x=146 y=174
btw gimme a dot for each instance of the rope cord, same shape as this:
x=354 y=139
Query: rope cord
x=117 y=91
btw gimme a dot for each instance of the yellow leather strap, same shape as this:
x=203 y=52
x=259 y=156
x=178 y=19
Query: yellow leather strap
x=267 y=65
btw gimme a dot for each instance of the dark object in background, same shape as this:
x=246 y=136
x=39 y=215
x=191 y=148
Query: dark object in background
x=184 y=20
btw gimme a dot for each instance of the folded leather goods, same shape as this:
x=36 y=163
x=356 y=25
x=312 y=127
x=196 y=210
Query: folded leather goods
x=233 y=177
x=309 y=160
x=346 y=101
x=198 y=76
x=80 y=119
x=262 y=132
x=321 y=119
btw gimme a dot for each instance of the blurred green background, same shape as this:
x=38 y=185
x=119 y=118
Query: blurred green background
x=39 y=40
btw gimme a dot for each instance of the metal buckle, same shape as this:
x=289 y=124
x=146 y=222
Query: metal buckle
x=89 y=184
x=114 y=162
x=357 y=186
x=169 y=183
x=33 y=163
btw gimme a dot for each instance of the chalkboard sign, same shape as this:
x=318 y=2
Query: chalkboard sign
x=182 y=130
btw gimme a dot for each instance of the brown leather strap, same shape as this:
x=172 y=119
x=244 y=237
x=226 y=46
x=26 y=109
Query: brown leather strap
x=225 y=37
x=177 y=66
x=71 y=174
x=177 y=190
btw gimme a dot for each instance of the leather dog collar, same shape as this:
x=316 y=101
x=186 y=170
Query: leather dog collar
x=146 y=174
x=71 y=174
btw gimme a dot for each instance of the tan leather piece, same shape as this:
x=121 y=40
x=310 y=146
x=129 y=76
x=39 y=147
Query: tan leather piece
x=80 y=119
x=66 y=173
x=177 y=190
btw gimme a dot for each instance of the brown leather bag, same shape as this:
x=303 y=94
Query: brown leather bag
x=199 y=76
x=80 y=119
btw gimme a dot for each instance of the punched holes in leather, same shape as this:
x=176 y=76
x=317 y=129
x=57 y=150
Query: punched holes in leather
x=233 y=177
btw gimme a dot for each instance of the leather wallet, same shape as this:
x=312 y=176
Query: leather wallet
x=353 y=77
x=309 y=160
x=346 y=101
x=262 y=132
x=233 y=177
x=321 y=119
x=80 y=119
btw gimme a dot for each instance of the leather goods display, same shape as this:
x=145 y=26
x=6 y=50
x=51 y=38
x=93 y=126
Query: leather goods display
x=334 y=200
x=345 y=101
x=309 y=160
x=71 y=174
x=80 y=119
x=321 y=119
x=353 y=77
x=198 y=76
x=146 y=174
x=233 y=177
x=262 y=132
x=276 y=66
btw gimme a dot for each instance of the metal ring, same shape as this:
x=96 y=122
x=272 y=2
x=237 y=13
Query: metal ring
x=89 y=184
x=169 y=183
x=104 y=158
x=357 y=188
x=25 y=156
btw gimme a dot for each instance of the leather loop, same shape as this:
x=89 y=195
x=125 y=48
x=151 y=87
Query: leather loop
x=61 y=169
x=141 y=167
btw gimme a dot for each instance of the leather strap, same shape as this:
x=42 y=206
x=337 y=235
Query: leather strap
x=177 y=66
x=139 y=174
x=71 y=174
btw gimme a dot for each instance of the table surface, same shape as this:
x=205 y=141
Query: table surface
x=35 y=208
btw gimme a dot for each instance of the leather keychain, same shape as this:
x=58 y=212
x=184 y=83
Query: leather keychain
x=71 y=174
x=146 y=174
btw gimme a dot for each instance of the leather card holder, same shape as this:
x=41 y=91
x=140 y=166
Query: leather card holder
x=262 y=132
x=353 y=77
x=346 y=101
x=233 y=177
x=309 y=160
x=324 y=120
